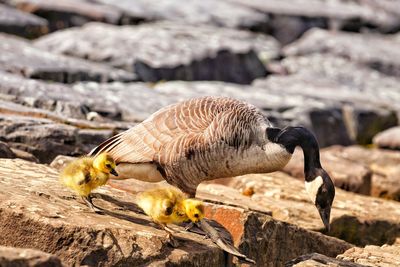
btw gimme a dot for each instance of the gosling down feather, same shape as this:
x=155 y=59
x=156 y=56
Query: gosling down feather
x=215 y=137
x=87 y=173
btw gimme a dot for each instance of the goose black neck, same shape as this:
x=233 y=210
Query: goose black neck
x=291 y=137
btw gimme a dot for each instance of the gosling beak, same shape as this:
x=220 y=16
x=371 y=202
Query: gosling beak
x=325 y=216
x=113 y=172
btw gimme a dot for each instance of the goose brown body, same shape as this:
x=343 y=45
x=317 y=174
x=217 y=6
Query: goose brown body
x=196 y=140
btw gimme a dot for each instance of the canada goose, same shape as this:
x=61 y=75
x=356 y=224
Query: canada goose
x=215 y=137
x=169 y=205
x=86 y=173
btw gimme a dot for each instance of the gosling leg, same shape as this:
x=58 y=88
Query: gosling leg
x=171 y=239
x=89 y=203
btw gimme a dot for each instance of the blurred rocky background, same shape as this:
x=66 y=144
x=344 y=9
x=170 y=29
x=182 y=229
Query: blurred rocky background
x=75 y=72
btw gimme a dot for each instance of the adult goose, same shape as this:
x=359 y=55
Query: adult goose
x=214 y=137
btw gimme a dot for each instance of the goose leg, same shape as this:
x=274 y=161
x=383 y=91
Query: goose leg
x=89 y=203
x=171 y=240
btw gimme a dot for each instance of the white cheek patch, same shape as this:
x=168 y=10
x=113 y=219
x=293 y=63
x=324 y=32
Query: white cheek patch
x=312 y=187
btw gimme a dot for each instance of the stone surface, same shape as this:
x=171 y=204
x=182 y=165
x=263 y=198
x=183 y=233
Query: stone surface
x=188 y=52
x=217 y=13
x=25 y=257
x=254 y=231
x=20 y=23
x=38 y=213
x=380 y=54
x=383 y=163
x=358 y=219
x=5 y=151
x=389 y=138
x=384 y=256
x=318 y=260
x=289 y=19
x=20 y=57
x=348 y=175
x=68 y=13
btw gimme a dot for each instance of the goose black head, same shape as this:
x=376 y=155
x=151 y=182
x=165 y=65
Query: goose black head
x=319 y=185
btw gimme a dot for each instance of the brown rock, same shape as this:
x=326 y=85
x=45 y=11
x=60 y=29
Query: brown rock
x=347 y=175
x=5 y=151
x=68 y=13
x=254 y=231
x=385 y=256
x=389 y=138
x=383 y=163
x=61 y=161
x=318 y=260
x=25 y=257
x=20 y=57
x=24 y=155
x=355 y=218
x=186 y=53
x=16 y=22
x=37 y=212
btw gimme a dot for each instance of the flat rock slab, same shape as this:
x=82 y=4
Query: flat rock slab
x=25 y=257
x=319 y=260
x=384 y=256
x=20 y=57
x=216 y=13
x=347 y=175
x=355 y=218
x=289 y=19
x=254 y=231
x=389 y=138
x=68 y=13
x=36 y=212
x=187 y=52
x=380 y=54
x=17 y=22
x=383 y=163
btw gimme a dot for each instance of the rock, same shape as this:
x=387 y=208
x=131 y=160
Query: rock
x=20 y=57
x=318 y=260
x=254 y=231
x=347 y=175
x=384 y=256
x=37 y=212
x=16 y=22
x=45 y=139
x=389 y=138
x=357 y=219
x=380 y=54
x=25 y=257
x=216 y=13
x=68 y=13
x=290 y=19
x=61 y=161
x=24 y=155
x=5 y=151
x=185 y=54
x=361 y=110
x=383 y=163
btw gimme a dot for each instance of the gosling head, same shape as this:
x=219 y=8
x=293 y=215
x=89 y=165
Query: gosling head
x=105 y=163
x=321 y=191
x=194 y=209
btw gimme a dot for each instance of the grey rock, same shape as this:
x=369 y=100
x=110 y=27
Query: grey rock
x=380 y=54
x=20 y=57
x=25 y=257
x=216 y=13
x=319 y=260
x=68 y=13
x=16 y=22
x=290 y=19
x=45 y=139
x=389 y=138
x=5 y=151
x=384 y=256
x=187 y=52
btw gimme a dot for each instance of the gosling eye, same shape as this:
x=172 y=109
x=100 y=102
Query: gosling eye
x=108 y=166
x=196 y=215
x=168 y=211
